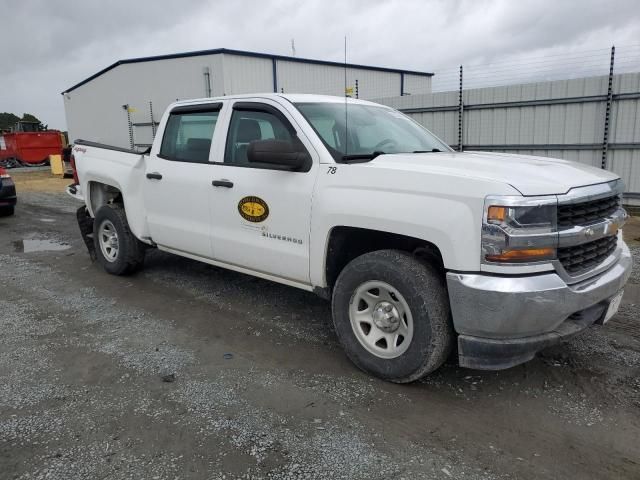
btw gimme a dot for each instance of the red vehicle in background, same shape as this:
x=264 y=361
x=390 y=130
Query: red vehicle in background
x=27 y=145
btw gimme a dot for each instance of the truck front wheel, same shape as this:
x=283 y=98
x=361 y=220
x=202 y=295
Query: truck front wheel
x=391 y=314
x=117 y=249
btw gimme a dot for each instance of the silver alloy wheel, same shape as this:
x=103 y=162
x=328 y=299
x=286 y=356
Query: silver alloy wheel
x=381 y=319
x=108 y=239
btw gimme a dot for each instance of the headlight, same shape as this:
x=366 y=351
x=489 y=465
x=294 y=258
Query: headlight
x=538 y=216
x=519 y=229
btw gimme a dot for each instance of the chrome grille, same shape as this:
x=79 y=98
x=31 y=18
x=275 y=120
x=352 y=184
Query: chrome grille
x=580 y=258
x=585 y=213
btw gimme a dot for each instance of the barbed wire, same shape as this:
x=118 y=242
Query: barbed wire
x=569 y=65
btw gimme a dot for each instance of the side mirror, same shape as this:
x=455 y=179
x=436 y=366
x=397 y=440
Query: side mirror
x=279 y=155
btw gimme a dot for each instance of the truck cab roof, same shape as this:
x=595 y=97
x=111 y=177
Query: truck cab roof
x=291 y=97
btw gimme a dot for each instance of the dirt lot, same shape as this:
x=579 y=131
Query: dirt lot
x=190 y=371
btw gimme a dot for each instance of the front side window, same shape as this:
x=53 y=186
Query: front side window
x=188 y=135
x=251 y=125
x=367 y=129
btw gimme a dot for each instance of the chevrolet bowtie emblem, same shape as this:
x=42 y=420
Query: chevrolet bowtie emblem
x=589 y=232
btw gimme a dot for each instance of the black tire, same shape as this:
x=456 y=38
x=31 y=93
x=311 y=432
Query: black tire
x=423 y=289
x=7 y=211
x=130 y=252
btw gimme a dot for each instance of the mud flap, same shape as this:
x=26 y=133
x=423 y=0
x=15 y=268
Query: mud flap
x=85 y=222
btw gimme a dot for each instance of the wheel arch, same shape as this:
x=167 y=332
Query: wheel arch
x=344 y=243
x=101 y=194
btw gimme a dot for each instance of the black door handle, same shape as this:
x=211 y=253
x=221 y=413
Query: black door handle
x=222 y=183
x=154 y=176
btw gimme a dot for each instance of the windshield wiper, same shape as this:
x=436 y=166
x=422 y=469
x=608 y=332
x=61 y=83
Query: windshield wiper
x=361 y=157
x=365 y=157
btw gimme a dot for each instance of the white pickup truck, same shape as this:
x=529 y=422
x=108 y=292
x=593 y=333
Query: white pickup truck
x=421 y=250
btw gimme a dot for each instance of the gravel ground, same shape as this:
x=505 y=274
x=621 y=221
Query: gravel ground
x=190 y=371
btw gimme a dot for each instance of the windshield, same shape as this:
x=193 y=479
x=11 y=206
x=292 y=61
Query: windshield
x=371 y=130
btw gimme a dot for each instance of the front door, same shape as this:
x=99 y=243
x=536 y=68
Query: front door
x=261 y=217
x=177 y=186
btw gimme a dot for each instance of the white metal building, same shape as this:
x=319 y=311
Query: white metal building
x=121 y=104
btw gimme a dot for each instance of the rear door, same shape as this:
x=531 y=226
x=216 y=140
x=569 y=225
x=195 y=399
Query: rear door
x=261 y=217
x=177 y=186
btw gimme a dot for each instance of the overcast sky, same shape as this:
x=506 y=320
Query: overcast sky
x=47 y=46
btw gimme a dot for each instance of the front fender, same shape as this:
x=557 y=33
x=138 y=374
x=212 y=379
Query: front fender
x=443 y=210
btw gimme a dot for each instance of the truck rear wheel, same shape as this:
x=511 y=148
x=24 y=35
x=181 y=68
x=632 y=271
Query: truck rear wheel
x=117 y=249
x=391 y=315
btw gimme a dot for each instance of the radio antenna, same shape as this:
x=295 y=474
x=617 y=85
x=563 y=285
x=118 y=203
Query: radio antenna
x=346 y=117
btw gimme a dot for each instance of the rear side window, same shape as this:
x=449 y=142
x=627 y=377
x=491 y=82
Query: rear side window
x=188 y=135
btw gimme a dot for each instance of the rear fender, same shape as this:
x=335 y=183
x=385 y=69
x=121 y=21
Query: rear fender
x=101 y=194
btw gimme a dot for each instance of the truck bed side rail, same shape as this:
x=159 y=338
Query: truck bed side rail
x=88 y=143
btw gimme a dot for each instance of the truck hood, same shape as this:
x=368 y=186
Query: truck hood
x=527 y=174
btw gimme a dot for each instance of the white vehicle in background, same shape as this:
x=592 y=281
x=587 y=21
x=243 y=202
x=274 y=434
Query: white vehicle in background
x=419 y=248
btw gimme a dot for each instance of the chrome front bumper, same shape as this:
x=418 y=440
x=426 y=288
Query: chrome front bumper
x=495 y=312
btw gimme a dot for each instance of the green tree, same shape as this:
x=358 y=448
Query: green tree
x=8 y=120
x=27 y=117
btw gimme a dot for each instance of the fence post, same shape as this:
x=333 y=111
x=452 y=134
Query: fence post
x=460 y=113
x=356 y=88
x=153 y=123
x=607 y=114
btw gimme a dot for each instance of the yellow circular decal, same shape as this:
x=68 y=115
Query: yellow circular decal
x=253 y=209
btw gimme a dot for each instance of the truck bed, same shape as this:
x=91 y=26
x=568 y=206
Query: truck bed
x=110 y=167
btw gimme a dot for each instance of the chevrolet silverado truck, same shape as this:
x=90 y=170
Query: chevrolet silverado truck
x=421 y=250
